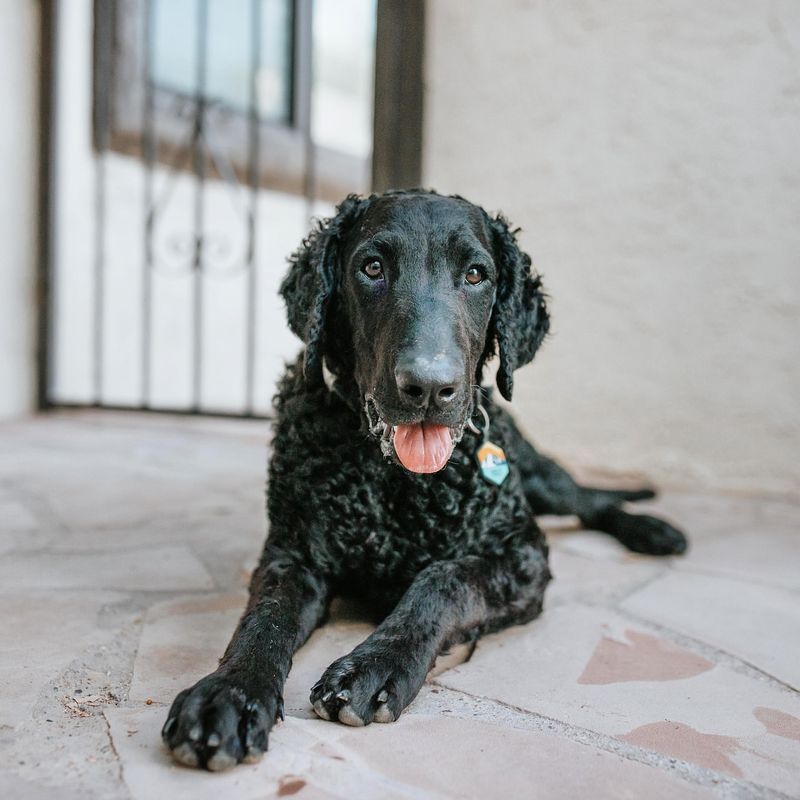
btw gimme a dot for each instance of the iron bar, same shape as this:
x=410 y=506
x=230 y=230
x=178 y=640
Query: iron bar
x=254 y=139
x=149 y=152
x=48 y=112
x=199 y=166
x=303 y=105
x=103 y=82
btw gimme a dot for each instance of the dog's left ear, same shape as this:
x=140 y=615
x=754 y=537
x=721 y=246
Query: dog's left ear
x=311 y=281
x=519 y=319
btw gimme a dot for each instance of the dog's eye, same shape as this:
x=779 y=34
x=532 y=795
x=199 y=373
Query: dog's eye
x=474 y=276
x=373 y=269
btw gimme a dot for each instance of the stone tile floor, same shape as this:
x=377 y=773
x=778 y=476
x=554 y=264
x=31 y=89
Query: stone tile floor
x=126 y=544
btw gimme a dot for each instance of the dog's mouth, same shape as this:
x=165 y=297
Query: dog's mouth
x=422 y=446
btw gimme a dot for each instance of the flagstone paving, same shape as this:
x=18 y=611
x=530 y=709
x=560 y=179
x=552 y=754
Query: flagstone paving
x=126 y=542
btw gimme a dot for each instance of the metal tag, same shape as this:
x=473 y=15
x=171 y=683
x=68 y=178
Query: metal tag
x=492 y=463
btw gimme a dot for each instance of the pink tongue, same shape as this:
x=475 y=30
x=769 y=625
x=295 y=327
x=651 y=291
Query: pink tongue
x=423 y=447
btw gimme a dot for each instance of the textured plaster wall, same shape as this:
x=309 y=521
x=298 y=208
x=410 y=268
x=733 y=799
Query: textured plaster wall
x=651 y=154
x=18 y=175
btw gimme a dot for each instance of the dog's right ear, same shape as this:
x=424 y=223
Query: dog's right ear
x=312 y=279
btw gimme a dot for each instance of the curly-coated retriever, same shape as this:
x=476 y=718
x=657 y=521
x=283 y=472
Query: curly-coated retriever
x=394 y=476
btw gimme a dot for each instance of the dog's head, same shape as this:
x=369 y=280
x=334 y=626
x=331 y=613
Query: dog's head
x=406 y=295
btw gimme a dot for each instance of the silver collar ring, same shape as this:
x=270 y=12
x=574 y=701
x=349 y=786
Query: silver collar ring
x=473 y=427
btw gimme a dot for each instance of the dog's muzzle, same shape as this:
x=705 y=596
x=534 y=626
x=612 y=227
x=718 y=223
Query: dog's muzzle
x=422 y=447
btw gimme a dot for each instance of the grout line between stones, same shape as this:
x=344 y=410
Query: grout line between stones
x=729 y=788
x=112 y=744
x=695 y=569
x=716 y=654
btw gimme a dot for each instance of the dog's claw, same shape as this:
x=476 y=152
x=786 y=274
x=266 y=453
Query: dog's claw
x=196 y=732
x=383 y=696
x=169 y=726
x=344 y=696
x=321 y=711
x=280 y=711
x=214 y=740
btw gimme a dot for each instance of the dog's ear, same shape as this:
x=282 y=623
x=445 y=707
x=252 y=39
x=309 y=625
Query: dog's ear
x=519 y=320
x=311 y=281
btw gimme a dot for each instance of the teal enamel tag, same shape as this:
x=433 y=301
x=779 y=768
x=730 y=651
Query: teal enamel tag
x=492 y=463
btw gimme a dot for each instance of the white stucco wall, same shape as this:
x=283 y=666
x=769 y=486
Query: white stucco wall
x=19 y=45
x=651 y=153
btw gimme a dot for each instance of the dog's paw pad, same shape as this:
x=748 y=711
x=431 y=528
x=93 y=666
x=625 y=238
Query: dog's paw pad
x=349 y=717
x=252 y=756
x=186 y=755
x=320 y=710
x=384 y=714
x=221 y=760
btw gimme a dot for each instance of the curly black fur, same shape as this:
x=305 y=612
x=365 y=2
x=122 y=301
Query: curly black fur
x=444 y=557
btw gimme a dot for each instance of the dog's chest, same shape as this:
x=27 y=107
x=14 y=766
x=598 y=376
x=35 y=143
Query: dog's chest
x=354 y=512
x=379 y=520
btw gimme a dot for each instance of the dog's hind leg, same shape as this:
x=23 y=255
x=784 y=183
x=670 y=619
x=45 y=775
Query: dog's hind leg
x=550 y=489
x=641 y=533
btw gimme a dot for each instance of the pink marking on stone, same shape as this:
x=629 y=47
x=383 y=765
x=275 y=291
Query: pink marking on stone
x=684 y=742
x=778 y=722
x=646 y=658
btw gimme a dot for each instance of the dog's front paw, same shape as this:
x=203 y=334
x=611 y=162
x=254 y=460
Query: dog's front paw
x=220 y=721
x=371 y=684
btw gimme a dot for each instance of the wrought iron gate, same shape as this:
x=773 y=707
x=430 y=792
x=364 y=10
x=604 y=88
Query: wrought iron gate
x=186 y=170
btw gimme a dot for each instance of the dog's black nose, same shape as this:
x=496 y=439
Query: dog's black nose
x=422 y=381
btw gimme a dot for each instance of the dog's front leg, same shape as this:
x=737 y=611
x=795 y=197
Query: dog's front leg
x=226 y=716
x=447 y=603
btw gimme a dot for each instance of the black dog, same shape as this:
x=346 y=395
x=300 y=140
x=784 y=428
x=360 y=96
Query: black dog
x=396 y=479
